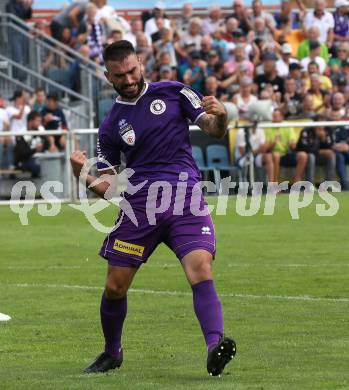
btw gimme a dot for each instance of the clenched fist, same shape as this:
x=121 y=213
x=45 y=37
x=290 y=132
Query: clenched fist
x=212 y=106
x=77 y=160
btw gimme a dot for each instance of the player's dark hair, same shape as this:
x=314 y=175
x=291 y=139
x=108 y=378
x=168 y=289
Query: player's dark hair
x=118 y=51
x=32 y=115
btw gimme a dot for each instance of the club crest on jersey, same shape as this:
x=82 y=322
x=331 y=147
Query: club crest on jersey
x=157 y=107
x=127 y=133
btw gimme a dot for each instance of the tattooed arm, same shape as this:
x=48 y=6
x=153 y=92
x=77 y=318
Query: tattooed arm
x=215 y=121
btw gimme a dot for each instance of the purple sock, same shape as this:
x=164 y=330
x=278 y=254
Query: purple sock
x=113 y=313
x=208 y=310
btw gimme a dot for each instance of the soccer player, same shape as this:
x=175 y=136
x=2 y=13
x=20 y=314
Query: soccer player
x=149 y=124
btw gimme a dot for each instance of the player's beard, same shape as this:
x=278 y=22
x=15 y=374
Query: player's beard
x=130 y=95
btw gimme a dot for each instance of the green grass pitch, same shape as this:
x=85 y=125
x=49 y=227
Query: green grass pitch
x=284 y=286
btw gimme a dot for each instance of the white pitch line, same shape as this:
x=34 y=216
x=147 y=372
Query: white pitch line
x=173 y=265
x=180 y=293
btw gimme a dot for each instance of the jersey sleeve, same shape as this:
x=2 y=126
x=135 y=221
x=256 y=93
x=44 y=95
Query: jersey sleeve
x=191 y=103
x=108 y=153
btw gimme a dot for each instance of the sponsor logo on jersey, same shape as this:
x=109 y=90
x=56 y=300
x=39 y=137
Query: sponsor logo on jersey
x=206 y=230
x=126 y=132
x=191 y=96
x=126 y=247
x=157 y=107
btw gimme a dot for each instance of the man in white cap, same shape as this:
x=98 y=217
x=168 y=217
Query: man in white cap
x=341 y=21
x=159 y=12
x=283 y=63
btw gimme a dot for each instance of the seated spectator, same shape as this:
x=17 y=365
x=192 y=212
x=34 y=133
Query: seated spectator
x=313 y=142
x=283 y=63
x=296 y=75
x=270 y=75
x=184 y=18
x=142 y=42
x=258 y=145
x=231 y=25
x=326 y=155
x=314 y=56
x=323 y=20
x=320 y=96
x=287 y=19
x=341 y=22
x=237 y=60
x=341 y=149
x=192 y=37
x=325 y=82
x=67 y=39
x=244 y=98
x=291 y=100
x=261 y=31
x=312 y=35
x=39 y=99
x=212 y=60
x=6 y=145
x=109 y=19
x=160 y=24
x=240 y=13
x=281 y=143
x=136 y=27
x=257 y=12
x=114 y=36
x=214 y=20
x=54 y=119
x=342 y=54
x=212 y=89
x=344 y=75
x=166 y=73
x=193 y=72
x=164 y=44
x=307 y=108
x=239 y=39
x=150 y=27
x=91 y=33
x=21 y=9
x=337 y=104
x=18 y=112
x=206 y=47
x=27 y=146
x=70 y=17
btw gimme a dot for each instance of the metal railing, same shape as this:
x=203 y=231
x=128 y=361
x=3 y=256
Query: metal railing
x=42 y=54
x=75 y=141
x=81 y=115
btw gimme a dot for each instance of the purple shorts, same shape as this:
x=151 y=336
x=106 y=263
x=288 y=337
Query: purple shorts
x=130 y=246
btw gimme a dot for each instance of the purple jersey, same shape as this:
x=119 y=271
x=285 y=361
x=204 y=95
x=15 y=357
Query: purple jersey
x=152 y=133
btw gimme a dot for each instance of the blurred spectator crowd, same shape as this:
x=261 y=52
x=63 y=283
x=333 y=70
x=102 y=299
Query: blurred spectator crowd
x=295 y=58
x=38 y=112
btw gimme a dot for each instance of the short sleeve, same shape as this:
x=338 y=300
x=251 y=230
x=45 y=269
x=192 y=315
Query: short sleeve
x=191 y=103
x=108 y=153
